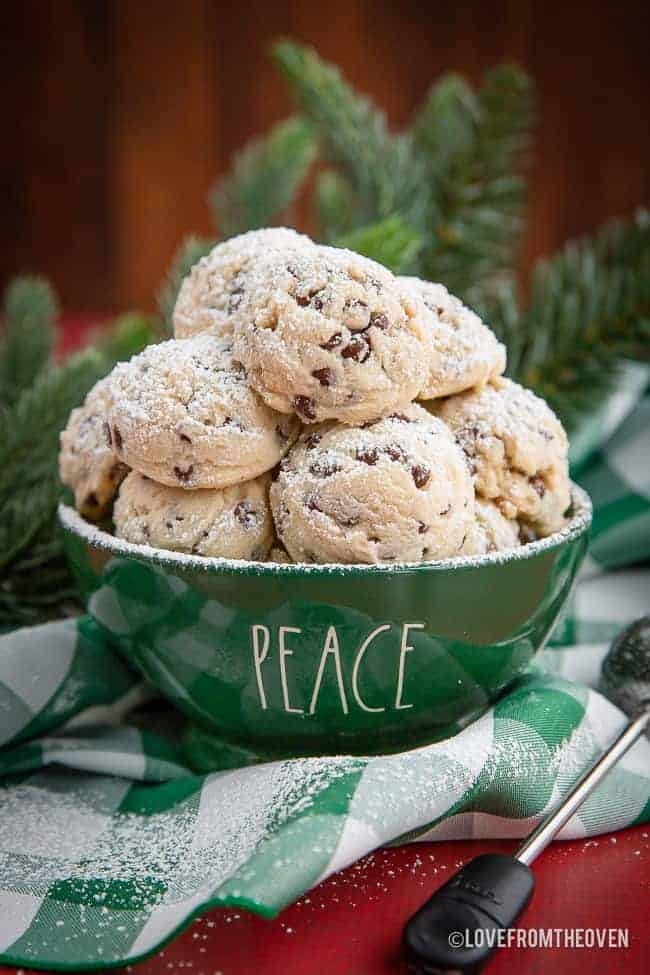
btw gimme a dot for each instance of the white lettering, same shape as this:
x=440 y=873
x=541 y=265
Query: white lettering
x=259 y=656
x=285 y=652
x=331 y=646
x=357 y=663
x=403 y=650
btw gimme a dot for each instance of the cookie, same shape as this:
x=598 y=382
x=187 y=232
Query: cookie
x=212 y=292
x=232 y=522
x=184 y=414
x=397 y=489
x=87 y=463
x=462 y=351
x=490 y=531
x=517 y=450
x=330 y=335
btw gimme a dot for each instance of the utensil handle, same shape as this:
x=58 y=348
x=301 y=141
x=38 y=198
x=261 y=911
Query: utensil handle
x=544 y=832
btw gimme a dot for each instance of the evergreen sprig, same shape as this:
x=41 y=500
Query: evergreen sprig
x=35 y=582
x=384 y=173
x=474 y=143
x=589 y=308
x=29 y=311
x=264 y=178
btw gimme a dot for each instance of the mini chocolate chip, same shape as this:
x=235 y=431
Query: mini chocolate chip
x=91 y=500
x=169 y=524
x=358 y=348
x=317 y=303
x=368 y=455
x=399 y=416
x=445 y=511
x=333 y=341
x=379 y=321
x=394 y=451
x=324 y=468
x=184 y=436
x=538 y=484
x=234 y=301
x=184 y=474
x=422 y=528
x=195 y=548
x=313 y=503
x=305 y=407
x=312 y=441
x=145 y=531
x=245 y=514
x=117 y=438
x=179 y=517
x=107 y=433
x=302 y=300
x=326 y=377
x=421 y=475
x=545 y=434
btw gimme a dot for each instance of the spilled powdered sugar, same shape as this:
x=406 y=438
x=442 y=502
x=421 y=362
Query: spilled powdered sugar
x=50 y=835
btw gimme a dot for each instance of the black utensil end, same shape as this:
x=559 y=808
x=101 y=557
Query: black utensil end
x=457 y=929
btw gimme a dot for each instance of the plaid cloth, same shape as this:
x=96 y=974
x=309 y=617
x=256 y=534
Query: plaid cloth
x=109 y=845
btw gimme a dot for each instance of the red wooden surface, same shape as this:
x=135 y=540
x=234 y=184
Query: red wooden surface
x=351 y=924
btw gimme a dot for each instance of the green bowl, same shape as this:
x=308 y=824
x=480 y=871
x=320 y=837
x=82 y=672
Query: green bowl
x=313 y=659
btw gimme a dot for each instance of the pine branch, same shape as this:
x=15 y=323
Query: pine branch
x=264 y=178
x=35 y=582
x=472 y=143
x=29 y=314
x=191 y=250
x=383 y=171
x=391 y=242
x=589 y=307
x=333 y=205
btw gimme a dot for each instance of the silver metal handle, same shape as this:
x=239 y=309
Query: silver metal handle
x=544 y=832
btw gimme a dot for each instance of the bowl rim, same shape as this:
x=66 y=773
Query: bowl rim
x=74 y=523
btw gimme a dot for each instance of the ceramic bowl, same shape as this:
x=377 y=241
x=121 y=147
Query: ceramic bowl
x=316 y=659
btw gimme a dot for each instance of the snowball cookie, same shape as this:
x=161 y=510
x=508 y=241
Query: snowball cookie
x=462 y=351
x=184 y=413
x=396 y=489
x=232 y=522
x=87 y=463
x=490 y=531
x=517 y=451
x=330 y=335
x=211 y=293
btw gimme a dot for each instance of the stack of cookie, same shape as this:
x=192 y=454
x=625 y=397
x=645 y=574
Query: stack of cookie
x=282 y=419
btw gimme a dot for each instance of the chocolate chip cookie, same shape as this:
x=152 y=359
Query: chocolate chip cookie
x=329 y=334
x=184 y=413
x=462 y=351
x=517 y=450
x=397 y=489
x=87 y=462
x=232 y=522
x=212 y=292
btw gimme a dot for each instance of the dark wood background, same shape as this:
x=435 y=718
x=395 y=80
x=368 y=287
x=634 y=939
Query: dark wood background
x=118 y=114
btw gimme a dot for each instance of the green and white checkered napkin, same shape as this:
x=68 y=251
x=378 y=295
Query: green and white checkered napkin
x=109 y=845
